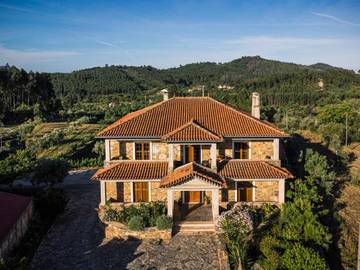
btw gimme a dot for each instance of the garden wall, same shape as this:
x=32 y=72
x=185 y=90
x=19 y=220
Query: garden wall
x=18 y=230
x=118 y=230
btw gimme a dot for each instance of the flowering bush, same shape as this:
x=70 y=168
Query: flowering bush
x=236 y=226
x=239 y=217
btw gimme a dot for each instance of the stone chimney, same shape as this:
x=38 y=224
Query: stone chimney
x=165 y=94
x=255 y=105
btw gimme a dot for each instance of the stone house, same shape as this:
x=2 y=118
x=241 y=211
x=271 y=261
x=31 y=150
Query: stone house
x=192 y=150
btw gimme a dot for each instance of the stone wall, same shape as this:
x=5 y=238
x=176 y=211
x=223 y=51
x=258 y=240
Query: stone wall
x=117 y=230
x=114 y=149
x=205 y=152
x=267 y=191
x=16 y=233
x=177 y=152
x=118 y=191
x=262 y=150
x=159 y=151
x=224 y=150
x=157 y=193
x=129 y=150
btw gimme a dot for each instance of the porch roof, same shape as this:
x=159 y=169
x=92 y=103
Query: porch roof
x=188 y=172
x=250 y=169
x=133 y=170
x=192 y=132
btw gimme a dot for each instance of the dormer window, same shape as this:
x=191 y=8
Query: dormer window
x=142 y=151
x=241 y=150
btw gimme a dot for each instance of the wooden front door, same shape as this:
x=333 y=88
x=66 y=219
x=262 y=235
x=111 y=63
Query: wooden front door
x=141 y=191
x=193 y=153
x=245 y=192
x=193 y=196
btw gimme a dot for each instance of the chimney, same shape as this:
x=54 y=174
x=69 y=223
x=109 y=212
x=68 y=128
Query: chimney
x=255 y=105
x=165 y=94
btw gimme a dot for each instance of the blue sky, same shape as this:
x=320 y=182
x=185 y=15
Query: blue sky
x=48 y=35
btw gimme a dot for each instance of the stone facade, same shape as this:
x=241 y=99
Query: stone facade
x=177 y=152
x=266 y=191
x=205 y=152
x=224 y=150
x=159 y=151
x=157 y=193
x=118 y=191
x=114 y=149
x=117 y=230
x=262 y=150
x=128 y=151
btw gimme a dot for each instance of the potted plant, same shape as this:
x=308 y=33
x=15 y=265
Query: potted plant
x=207 y=200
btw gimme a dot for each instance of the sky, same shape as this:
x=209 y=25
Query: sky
x=52 y=36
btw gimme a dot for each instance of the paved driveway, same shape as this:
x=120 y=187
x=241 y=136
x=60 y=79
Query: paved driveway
x=76 y=240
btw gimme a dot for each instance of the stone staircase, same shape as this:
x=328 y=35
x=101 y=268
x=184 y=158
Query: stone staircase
x=194 y=227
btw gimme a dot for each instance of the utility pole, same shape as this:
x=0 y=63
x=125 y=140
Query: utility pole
x=203 y=90
x=346 y=130
x=286 y=120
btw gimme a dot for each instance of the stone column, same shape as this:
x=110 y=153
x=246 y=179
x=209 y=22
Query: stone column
x=170 y=203
x=281 y=191
x=213 y=156
x=107 y=151
x=276 y=149
x=171 y=157
x=102 y=193
x=215 y=203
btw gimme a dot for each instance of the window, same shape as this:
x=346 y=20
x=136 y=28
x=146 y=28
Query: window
x=142 y=151
x=241 y=150
x=141 y=191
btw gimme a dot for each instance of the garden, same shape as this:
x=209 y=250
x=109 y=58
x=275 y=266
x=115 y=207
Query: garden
x=296 y=236
x=137 y=218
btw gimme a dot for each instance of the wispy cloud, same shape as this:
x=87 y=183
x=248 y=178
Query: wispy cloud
x=282 y=41
x=336 y=19
x=33 y=55
x=106 y=43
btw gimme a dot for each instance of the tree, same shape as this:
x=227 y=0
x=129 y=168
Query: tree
x=50 y=171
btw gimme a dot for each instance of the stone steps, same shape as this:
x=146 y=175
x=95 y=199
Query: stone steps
x=194 y=227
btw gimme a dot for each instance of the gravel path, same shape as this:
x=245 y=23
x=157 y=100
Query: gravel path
x=76 y=240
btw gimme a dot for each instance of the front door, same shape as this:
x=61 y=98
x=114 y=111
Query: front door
x=245 y=192
x=193 y=153
x=192 y=196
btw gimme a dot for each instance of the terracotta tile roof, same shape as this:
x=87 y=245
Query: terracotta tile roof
x=190 y=170
x=164 y=117
x=191 y=132
x=133 y=170
x=248 y=169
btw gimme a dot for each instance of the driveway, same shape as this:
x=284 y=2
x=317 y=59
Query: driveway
x=76 y=240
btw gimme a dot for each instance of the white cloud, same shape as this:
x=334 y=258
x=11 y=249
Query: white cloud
x=336 y=19
x=109 y=44
x=13 y=55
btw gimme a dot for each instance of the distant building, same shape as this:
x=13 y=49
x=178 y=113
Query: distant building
x=321 y=84
x=225 y=87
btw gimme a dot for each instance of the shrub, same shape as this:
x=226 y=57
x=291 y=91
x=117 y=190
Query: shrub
x=299 y=257
x=136 y=223
x=22 y=161
x=163 y=222
x=50 y=171
x=50 y=203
